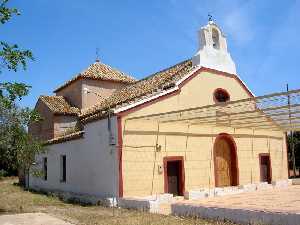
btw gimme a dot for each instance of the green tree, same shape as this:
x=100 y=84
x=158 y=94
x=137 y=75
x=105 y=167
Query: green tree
x=17 y=147
x=296 y=141
x=12 y=58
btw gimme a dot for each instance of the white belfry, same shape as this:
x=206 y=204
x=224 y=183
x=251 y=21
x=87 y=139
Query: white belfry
x=212 y=51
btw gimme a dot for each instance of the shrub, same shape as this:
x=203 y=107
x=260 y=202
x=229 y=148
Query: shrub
x=3 y=173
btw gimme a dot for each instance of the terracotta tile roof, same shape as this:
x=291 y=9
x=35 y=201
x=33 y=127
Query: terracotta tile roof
x=141 y=89
x=59 y=105
x=100 y=71
x=64 y=138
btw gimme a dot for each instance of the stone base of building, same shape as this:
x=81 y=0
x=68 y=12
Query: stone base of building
x=148 y=203
x=295 y=181
x=213 y=192
x=78 y=197
x=153 y=203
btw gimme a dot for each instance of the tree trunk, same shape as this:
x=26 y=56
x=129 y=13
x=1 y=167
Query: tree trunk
x=21 y=175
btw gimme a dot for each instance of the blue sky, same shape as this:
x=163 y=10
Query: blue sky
x=142 y=37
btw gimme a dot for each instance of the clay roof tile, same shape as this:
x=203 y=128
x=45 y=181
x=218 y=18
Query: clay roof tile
x=100 y=71
x=59 y=105
x=145 y=87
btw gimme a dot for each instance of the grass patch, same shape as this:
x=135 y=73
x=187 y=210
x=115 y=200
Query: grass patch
x=13 y=199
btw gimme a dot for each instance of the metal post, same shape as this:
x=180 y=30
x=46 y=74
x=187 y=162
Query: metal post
x=291 y=133
x=252 y=155
x=293 y=154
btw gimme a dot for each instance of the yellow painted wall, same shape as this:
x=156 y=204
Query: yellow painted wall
x=194 y=142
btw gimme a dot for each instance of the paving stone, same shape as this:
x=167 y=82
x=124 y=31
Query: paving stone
x=268 y=206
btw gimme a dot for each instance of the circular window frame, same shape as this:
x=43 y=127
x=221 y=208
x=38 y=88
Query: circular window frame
x=221 y=90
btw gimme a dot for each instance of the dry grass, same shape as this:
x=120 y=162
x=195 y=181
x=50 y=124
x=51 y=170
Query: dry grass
x=14 y=199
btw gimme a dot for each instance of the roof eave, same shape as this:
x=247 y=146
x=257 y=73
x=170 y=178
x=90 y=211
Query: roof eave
x=90 y=78
x=65 y=138
x=165 y=92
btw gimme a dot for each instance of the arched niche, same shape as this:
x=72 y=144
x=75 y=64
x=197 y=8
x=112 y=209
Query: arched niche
x=215 y=38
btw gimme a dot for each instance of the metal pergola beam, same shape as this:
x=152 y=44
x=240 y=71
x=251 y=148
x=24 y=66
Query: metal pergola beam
x=278 y=111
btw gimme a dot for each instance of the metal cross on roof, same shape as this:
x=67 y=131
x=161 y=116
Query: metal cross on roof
x=210 y=17
x=97 y=55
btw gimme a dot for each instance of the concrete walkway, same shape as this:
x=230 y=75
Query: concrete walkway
x=275 y=200
x=272 y=206
x=31 y=219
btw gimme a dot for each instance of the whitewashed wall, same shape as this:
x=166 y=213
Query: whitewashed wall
x=90 y=166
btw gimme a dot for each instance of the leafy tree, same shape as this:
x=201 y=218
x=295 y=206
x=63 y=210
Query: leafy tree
x=12 y=58
x=296 y=141
x=17 y=147
x=6 y=13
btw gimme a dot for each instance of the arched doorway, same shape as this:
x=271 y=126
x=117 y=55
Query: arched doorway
x=225 y=161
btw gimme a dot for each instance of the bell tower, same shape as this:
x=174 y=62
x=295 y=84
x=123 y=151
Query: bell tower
x=212 y=52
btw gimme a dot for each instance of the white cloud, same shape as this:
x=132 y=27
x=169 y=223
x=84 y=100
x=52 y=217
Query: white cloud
x=282 y=39
x=238 y=23
x=235 y=17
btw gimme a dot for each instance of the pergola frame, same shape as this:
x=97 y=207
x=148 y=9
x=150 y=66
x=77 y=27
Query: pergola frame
x=277 y=111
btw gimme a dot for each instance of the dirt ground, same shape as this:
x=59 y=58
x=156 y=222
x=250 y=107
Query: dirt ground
x=14 y=200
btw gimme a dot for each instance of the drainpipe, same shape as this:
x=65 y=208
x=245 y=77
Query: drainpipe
x=112 y=145
x=111 y=140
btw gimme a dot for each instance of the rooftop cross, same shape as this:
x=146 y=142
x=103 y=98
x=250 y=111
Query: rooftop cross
x=210 y=17
x=97 y=55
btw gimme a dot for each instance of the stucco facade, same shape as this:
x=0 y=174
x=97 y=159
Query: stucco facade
x=90 y=164
x=195 y=143
x=51 y=125
x=135 y=166
x=103 y=88
x=77 y=96
x=136 y=158
x=43 y=129
x=73 y=93
x=64 y=124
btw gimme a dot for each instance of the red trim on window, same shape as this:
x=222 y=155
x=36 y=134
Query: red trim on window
x=270 y=168
x=222 y=90
x=120 y=143
x=234 y=164
x=181 y=173
x=229 y=75
x=204 y=69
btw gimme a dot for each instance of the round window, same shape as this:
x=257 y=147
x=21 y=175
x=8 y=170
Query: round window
x=221 y=95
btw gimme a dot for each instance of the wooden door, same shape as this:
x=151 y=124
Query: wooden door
x=173 y=177
x=223 y=166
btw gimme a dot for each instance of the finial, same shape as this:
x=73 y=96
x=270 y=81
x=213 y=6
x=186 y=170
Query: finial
x=209 y=17
x=97 y=55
